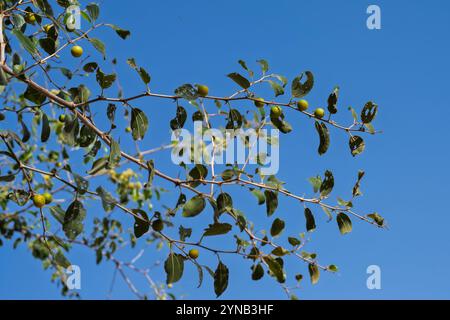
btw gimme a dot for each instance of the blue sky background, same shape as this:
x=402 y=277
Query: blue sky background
x=403 y=67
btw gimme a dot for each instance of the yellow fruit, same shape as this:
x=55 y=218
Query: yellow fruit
x=39 y=200
x=275 y=111
x=30 y=18
x=193 y=253
x=158 y=225
x=47 y=27
x=319 y=113
x=302 y=105
x=48 y=197
x=62 y=118
x=202 y=90
x=76 y=51
x=127 y=129
x=259 y=102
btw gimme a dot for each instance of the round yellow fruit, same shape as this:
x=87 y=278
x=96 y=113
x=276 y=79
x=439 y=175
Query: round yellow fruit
x=62 y=118
x=48 y=197
x=39 y=200
x=259 y=102
x=47 y=27
x=202 y=90
x=76 y=51
x=319 y=113
x=193 y=253
x=30 y=18
x=302 y=105
x=127 y=129
x=275 y=111
x=158 y=225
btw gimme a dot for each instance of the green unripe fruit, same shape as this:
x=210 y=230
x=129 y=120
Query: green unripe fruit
x=302 y=105
x=158 y=225
x=319 y=113
x=202 y=90
x=193 y=253
x=259 y=102
x=62 y=118
x=48 y=197
x=76 y=51
x=39 y=200
x=275 y=111
x=2 y=117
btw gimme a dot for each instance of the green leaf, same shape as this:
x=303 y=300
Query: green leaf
x=179 y=120
x=224 y=202
x=26 y=42
x=8 y=178
x=108 y=202
x=174 y=267
x=316 y=182
x=61 y=260
x=259 y=195
x=35 y=96
x=124 y=34
x=139 y=124
x=324 y=137
x=93 y=11
x=217 y=229
x=356 y=191
x=271 y=202
x=45 y=7
x=114 y=155
x=356 y=144
x=227 y=174
x=81 y=183
x=310 y=222
x=264 y=65
x=199 y=172
x=332 y=100
x=327 y=185
x=277 y=88
x=184 y=232
x=294 y=241
x=105 y=80
x=48 y=44
x=314 y=273
x=332 y=268
x=194 y=206
x=45 y=132
x=98 y=165
x=300 y=89
x=279 y=251
x=379 y=220
x=186 y=91
x=275 y=268
x=73 y=219
x=369 y=112
x=90 y=67
x=99 y=46
x=257 y=272
x=277 y=227
x=220 y=279
x=344 y=223
x=244 y=65
x=141 y=226
x=239 y=79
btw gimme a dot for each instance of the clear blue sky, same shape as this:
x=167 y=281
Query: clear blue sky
x=404 y=67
